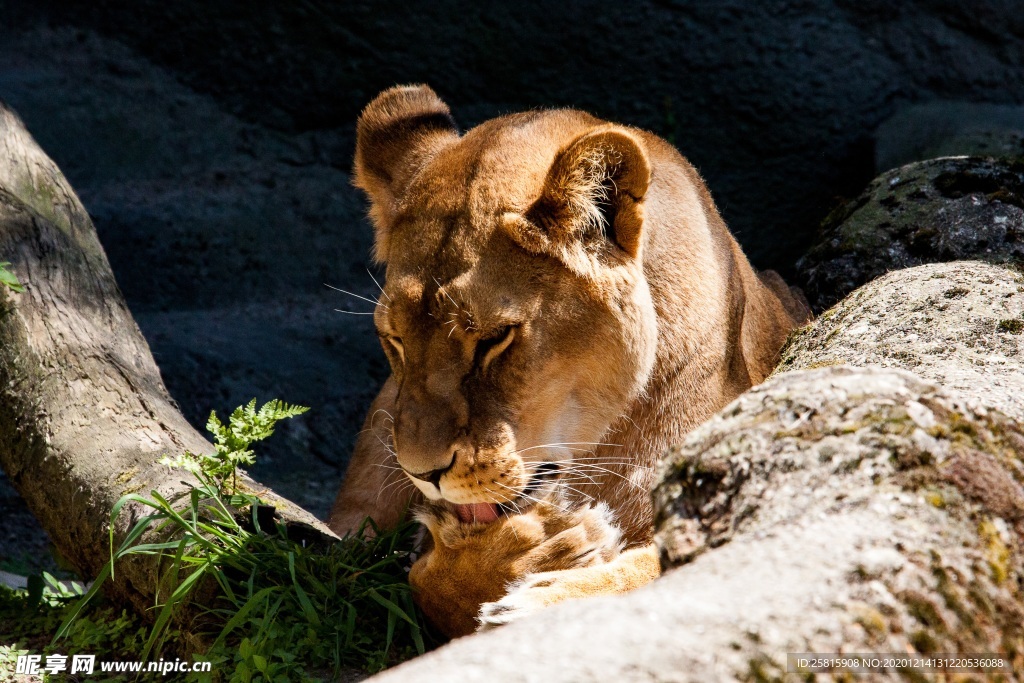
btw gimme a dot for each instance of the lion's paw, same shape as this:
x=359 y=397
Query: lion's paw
x=460 y=582
x=631 y=569
x=530 y=595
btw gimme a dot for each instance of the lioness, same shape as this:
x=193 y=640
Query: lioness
x=562 y=302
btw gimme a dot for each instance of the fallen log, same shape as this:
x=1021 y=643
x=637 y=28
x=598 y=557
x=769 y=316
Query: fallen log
x=84 y=414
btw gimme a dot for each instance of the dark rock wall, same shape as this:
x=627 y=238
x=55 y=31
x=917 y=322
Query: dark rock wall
x=774 y=101
x=931 y=211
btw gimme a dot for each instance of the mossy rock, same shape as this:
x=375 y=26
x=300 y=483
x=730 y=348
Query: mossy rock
x=894 y=508
x=950 y=209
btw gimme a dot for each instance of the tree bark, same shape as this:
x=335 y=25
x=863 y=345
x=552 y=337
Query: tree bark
x=84 y=414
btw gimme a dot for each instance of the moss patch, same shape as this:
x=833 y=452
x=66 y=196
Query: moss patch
x=996 y=551
x=956 y=293
x=1011 y=325
x=126 y=476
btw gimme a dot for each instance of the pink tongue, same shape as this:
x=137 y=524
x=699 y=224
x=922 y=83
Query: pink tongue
x=484 y=513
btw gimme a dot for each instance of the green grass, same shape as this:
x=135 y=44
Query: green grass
x=30 y=618
x=261 y=606
x=9 y=279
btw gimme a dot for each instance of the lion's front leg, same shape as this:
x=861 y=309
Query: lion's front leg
x=375 y=485
x=631 y=569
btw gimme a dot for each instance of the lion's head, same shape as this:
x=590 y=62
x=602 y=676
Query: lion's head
x=515 y=313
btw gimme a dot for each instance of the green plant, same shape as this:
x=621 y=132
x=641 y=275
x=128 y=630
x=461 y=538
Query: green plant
x=245 y=427
x=284 y=609
x=8 y=278
x=28 y=620
x=9 y=658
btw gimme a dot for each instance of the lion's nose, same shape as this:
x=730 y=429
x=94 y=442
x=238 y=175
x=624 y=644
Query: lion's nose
x=433 y=476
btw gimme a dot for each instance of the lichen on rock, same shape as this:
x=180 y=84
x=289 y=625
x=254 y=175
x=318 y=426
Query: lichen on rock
x=916 y=498
x=951 y=323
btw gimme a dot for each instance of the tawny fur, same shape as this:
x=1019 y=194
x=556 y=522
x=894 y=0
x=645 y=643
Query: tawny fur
x=629 y=313
x=499 y=555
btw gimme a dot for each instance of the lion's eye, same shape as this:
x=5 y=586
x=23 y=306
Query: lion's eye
x=396 y=344
x=492 y=346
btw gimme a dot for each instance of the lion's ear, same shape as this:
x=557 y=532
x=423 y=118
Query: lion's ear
x=593 y=194
x=399 y=131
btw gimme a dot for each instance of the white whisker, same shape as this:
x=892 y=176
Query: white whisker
x=587 y=496
x=386 y=414
x=567 y=443
x=377 y=283
x=403 y=480
x=375 y=302
x=442 y=290
x=528 y=497
x=519 y=511
x=604 y=461
x=613 y=473
x=584 y=480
